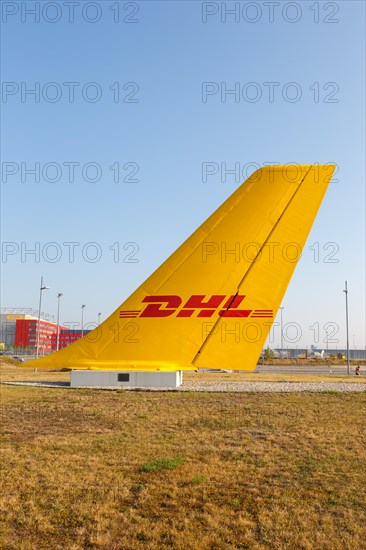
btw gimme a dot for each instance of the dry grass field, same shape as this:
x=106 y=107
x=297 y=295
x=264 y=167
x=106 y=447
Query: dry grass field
x=89 y=469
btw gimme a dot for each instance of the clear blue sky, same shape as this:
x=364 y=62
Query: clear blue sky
x=160 y=131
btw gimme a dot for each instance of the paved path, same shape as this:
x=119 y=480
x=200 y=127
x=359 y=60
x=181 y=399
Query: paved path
x=308 y=369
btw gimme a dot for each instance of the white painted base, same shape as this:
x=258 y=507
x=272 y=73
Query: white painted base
x=123 y=379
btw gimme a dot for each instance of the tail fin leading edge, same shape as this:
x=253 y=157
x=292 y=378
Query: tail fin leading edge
x=211 y=304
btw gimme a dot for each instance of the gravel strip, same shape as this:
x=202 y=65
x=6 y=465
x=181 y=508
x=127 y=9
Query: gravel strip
x=216 y=386
x=276 y=387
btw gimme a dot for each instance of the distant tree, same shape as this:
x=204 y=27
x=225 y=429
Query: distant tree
x=268 y=354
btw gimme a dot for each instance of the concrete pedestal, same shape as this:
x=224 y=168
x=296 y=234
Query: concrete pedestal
x=125 y=379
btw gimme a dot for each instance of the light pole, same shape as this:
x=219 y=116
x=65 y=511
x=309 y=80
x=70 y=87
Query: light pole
x=99 y=314
x=346 y=293
x=326 y=336
x=39 y=315
x=281 y=308
x=82 y=320
x=58 y=320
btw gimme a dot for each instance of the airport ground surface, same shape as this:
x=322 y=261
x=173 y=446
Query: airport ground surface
x=266 y=378
x=184 y=470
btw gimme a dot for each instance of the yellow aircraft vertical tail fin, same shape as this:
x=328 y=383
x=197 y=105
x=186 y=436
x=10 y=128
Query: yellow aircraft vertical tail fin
x=212 y=302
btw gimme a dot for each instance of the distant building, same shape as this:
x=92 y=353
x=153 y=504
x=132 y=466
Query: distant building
x=305 y=353
x=8 y=318
x=19 y=329
x=8 y=327
x=26 y=334
x=66 y=337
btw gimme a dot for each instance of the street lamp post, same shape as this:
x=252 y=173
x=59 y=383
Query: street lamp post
x=99 y=314
x=346 y=293
x=41 y=289
x=326 y=336
x=82 y=320
x=281 y=308
x=58 y=320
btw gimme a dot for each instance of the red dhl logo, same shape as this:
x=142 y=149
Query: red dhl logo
x=167 y=305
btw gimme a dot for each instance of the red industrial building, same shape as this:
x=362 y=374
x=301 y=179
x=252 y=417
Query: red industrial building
x=26 y=331
x=66 y=337
x=26 y=335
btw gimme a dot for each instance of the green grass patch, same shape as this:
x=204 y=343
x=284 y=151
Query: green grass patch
x=162 y=464
x=197 y=480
